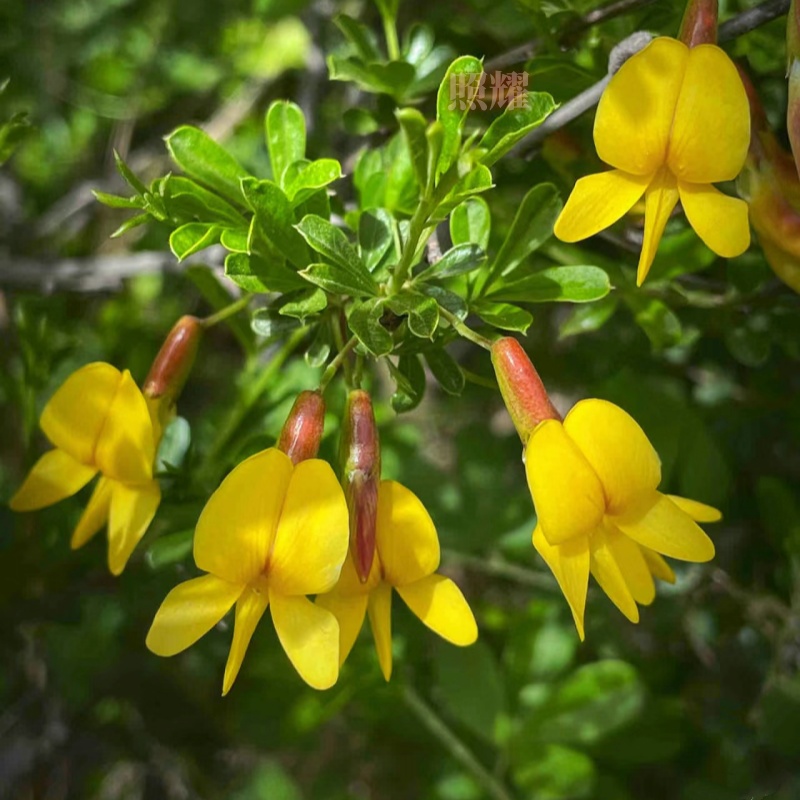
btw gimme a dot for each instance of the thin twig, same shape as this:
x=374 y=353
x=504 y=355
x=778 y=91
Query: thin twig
x=457 y=749
x=751 y=19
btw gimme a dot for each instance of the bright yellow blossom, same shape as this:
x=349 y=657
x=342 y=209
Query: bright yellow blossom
x=406 y=559
x=594 y=481
x=98 y=421
x=671 y=122
x=271 y=534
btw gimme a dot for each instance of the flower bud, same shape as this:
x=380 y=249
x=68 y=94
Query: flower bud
x=699 y=24
x=174 y=361
x=303 y=428
x=522 y=389
x=360 y=457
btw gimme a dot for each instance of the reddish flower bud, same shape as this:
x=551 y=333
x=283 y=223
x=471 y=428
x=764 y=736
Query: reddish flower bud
x=303 y=428
x=699 y=24
x=793 y=71
x=174 y=361
x=360 y=457
x=522 y=389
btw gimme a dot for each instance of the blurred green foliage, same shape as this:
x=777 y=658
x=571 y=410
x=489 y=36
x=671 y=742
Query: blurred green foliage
x=700 y=701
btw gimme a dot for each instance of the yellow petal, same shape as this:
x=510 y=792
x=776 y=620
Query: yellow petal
x=438 y=602
x=669 y=531
x=699 y=512
x=566 y=491
x=310 y=637
x=95 y=514
x=349 y=611
x=408 y=546
x=632 y=565
x=190 y=611
x=569 y=563
x=237 y=526
x=719 y=220
x=313 y=532
x=608 y=574
x=53 y=477
x=75 y=415
x=250 y=607
x=597 y=202
x=126 y=448
x=349 y=582
x=617 y=449
x=634 y=116
x=711 y=129
x=132 y=510
x=660 y=199
x=657 y=565
x=380 y=620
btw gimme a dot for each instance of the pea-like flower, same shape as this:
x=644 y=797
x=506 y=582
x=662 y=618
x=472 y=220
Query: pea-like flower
x=406 y=559
x=594 y=480
x=271 y=534
x=672 y=122
x=98 y=422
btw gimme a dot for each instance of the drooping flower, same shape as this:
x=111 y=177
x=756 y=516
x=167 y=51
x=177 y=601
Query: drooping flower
x=98 y=422
x=594 y=482
x=672 y=122
x=271 y=534
x=405 y=560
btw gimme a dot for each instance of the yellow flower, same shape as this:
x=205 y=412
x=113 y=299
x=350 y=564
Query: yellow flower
x=594 y=481
x=271 y=534
x=671 y=122
x=98 y=421
x=406 y=559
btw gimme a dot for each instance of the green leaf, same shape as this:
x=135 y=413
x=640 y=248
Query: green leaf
x=458 y=260
x=168 y=550
x=589 y=317
x=448 y=300
x=414 y=125
x=458 y=672
x=173 y=445
x=128 y=176
x=332 y=243
x=236 y=240
x=556 y=284
x=129 y=224
x=201 y=158
x=320 y=348
x=532 y=226
x=554 y=772
x=434 y=136
x=474 y=182
x=390 y=78
x=503 y=315
x=422 y=312
x=360 y=36
x=285 y=128
x=186 y=198
x=418 y=43
x=364 y=319
x=193 y=237
x=470 y=223
x=337 y=280
x=453 y=100
x=313 y=176
x=445 y=370
x=276 y=219
x=256 y=274
x=115 y=201
x=12 y=132
x=303 y=304
x=267 y=322
x=659 y=322
x=514 y=124
x=409 y=376
x=374 y=236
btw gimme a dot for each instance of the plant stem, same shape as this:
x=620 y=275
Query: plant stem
x=457 y=749
x=479 y=380
x=418 y=224
x=338 y=339
x=331 y=369
x=227 y=311
x=390 y=32
x=465 y=331
x=499 y=568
